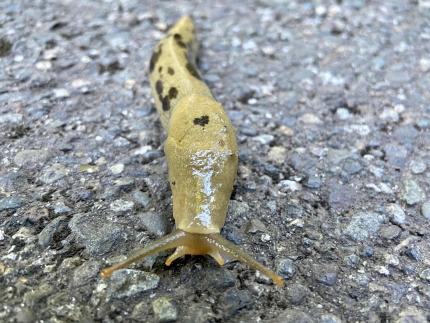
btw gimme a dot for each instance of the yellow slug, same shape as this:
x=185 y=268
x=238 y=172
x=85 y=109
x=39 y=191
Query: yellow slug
x=201 y=154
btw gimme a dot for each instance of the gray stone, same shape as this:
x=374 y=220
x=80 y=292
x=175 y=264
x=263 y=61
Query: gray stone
x=352 y=261
x=121 y=206
x=128 y=282
x=329 y=318
x=396 y=213
x=297 y=293
x=352 y=166
x=343 y=114
x=368 y=251
x=254 y=226
x=341 y=197
x=233 y=300
x=425 y=210
x=414 y=252
x=85 y=273
x=46 y=235
x=11 y=181
x=164 y=310
x=411 y=315
x=97 y=235
x=425 y=274
x=154 y=222
x=141 y=198
x=390 y=232
x=53 y=173
x=313 y=182
x=33 y=296
x=363 y=225
x=31 y=158
x=213 y=278
x=293 y=316
x=10 y=118
x=61 y=208
x=417 y=166
x=11 y=203
x=396 y=154
x=286 y=268
x=412 y=192
x=325 y=274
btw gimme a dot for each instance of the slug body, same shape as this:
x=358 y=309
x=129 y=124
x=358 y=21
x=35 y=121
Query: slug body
x=201 y=154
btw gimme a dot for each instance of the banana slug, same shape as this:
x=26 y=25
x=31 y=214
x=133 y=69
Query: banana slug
x=201 y=152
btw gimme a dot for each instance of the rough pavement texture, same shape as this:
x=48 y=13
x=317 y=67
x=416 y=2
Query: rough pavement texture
x=331 y=103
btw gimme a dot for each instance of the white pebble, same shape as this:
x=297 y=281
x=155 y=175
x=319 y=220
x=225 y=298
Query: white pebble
x=117 y=169
x=44 y=65
x=61 y=93
x=424 y=65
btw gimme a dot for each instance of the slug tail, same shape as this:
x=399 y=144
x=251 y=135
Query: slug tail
x=169 y=241
x=228 y=248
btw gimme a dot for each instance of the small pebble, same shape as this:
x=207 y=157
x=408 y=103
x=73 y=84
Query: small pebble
x=297 y=293
x=31 y=158
x=264 y=139
x=326 y=275
x=343 y=114
x=121 y=205
x=425 y=210
x=424 y=65
x=411 y=314
x=425 y=274
x=117 y=169
x=412 y=192
x=61 y=93
x=255 y=225
x=164 y=310
x=396 y=214
x=383 y=270
x=309 y=118
x=10 y=118
x=329 y=318
x=44 y=65
x=277 y=154
x=417 y=166
x=128 y=282
x=363 y=225
x=287 y=185
x=286 y=268
x=10 y=203
x=141 y=198
x=390 y=232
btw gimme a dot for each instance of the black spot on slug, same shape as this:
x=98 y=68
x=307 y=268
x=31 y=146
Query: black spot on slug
x=154 y=58
x=178 y=39
x=173 y=93
x=193 y=71
x=160 y=69
x=165 y=102
x=202 y=121
x=170 y=70
x=159 y=87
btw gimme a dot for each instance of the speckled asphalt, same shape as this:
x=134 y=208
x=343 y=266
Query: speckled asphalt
x=331 y=103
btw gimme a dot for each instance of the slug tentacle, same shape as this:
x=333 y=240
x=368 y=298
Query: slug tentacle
x=230 y=249
x=169 y=241
x=187 y=243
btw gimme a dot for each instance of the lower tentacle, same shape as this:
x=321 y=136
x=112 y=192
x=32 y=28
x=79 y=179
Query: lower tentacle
x=187 y=243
